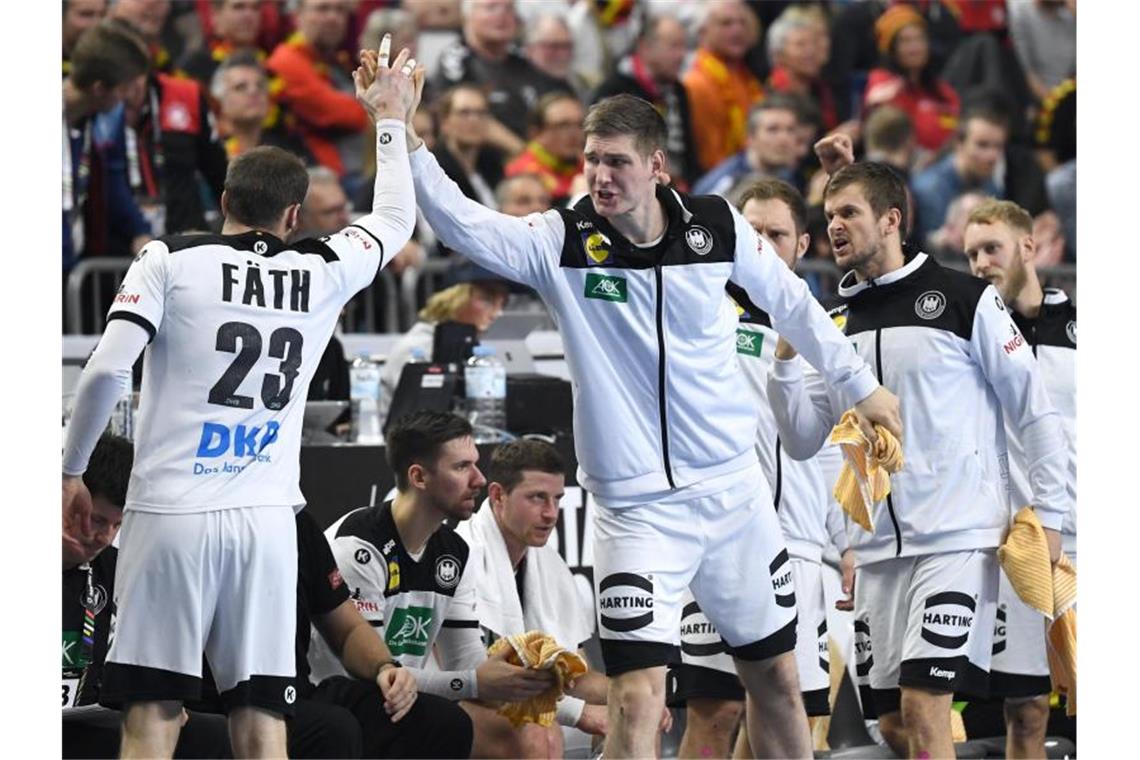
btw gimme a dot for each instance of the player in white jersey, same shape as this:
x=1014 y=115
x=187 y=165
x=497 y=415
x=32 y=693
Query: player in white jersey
x=998 y=242
x=235 y=324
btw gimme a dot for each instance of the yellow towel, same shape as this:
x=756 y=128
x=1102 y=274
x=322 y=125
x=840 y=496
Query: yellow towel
x=866 y=475
x=535 y=649
x=1051 y=590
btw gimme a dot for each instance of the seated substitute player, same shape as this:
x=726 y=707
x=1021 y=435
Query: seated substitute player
x=999 y=245
x=927 y=575
x=88 y=607
x=236 y=323
x=413 y=578
x=524 y=583
x=705 y=682
x=634 y=275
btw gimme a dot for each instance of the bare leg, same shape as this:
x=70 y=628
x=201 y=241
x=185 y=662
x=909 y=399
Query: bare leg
x=636 y=701
x=150 y=729
x=891 y=727
x=926 y=716
x=776 y=717
x=255 y=732
x=1025 y=723
x=709 y=726
x=493 y=734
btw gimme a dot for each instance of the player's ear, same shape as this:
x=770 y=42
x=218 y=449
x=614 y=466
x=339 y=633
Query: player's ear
x=495 y=493
x=802 y=245
x=1027 y=248
x=292 y=218
x=417 y=476
x=224 y=202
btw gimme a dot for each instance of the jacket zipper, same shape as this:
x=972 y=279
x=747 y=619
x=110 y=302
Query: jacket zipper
x=661 y=375
x=779 y=476
x=890 y=501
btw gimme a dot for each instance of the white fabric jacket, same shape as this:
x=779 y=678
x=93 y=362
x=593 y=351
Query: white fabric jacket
x=648 y=334
x=944 y=342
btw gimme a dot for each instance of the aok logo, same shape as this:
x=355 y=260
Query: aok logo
x=748 y=343
x=216 y=439
x=606 y=288
x=408 y=630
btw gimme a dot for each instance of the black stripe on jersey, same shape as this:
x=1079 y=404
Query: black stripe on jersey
x=1055 y=325
x=460 y=624
x=318 y=248
x=254 y=241
x=896 y=304
x=376 y=623
x=138 y=319
x=751 y=313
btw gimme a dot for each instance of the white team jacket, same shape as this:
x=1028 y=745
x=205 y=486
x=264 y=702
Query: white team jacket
x=944 y=342
x=648 y=334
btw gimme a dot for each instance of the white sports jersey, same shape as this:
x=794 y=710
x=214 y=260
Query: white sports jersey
x=238 y=324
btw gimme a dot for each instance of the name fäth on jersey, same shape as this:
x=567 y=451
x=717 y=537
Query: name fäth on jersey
x=266 y=289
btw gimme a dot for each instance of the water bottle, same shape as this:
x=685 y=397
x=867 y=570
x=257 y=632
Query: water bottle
x=485 y=379
x=364 y=394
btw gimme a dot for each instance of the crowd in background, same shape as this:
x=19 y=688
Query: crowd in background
x=965 y=98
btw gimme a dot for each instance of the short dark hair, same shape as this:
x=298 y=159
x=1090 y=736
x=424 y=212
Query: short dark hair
x=509 y=461
x=887 y=128
x=109 y=469
x=626 y=114
x=536 y=118
x=777 y=101
x=445 y=101
x=882 y=187
x=261 y=183
x=772 y=189
x=416 y=438
x=986 y=106
x=109 y=53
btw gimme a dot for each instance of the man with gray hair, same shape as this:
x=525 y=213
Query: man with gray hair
x=550 y=47
x=798 y=47
x=770 y=150
x=240 y=87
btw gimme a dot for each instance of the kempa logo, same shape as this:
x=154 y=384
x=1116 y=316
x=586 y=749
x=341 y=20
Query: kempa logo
x=607 y=288
x=290 y=695
x=938 y=672
x=748 y=342
x=408 y=631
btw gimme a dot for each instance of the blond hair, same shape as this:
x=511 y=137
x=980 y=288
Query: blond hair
x=1008 y=212
x=444 y=304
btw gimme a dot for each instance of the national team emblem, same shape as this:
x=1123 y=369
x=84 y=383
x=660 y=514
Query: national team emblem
x=930 y=305
x=447 y=571
x=597 y=247
x=260 y=247
x=699 y=239
x=1071 y=331
x=363 y=556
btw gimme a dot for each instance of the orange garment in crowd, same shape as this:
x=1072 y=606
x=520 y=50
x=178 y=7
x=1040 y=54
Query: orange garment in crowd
x=322 y=111
x=720 y=96
x=555 y=173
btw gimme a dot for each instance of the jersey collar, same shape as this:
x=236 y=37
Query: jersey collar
x=849 y=286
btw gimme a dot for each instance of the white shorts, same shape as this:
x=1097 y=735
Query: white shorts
x=1020 y=666
x=707 y=669
x=726 y=547
x=223 y=583
x=929 y=621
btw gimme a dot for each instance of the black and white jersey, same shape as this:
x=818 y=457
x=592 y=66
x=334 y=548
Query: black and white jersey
x=1053 y=337
x=800 y=493
x=407 y=599
x=238 y=324
x=944 y=343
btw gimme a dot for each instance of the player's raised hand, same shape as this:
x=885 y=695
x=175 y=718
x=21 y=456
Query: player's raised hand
x=386 y=91
x=835 y=151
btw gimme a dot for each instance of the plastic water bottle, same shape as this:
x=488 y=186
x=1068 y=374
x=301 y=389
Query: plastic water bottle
x=485 y=379
x=364 y=395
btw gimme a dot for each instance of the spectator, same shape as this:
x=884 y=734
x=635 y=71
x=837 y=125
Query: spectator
x=148 y=17
x=554 y=152
x=525 y=584
x=798 y=44
x=720 y=87
x=1044 y=34
x=108 y=65
x=236 y=25
x=522 y=194
x=78 y=17
x=1048 y=240
x=771 y=149
x=246 y=119
x=414 y=578
x=485 y=57
x=888 y=138
x=88 y=612
x=908 y=79
x=1057 y=133
x=550 y=47
x=175 y=153
x=464 y=151
x=946 y=242
x=317 y=89
x=652 y=72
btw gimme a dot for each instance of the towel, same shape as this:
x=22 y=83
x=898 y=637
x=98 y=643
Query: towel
x=866 y=475
x=534 y=649
x=1051 y=590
